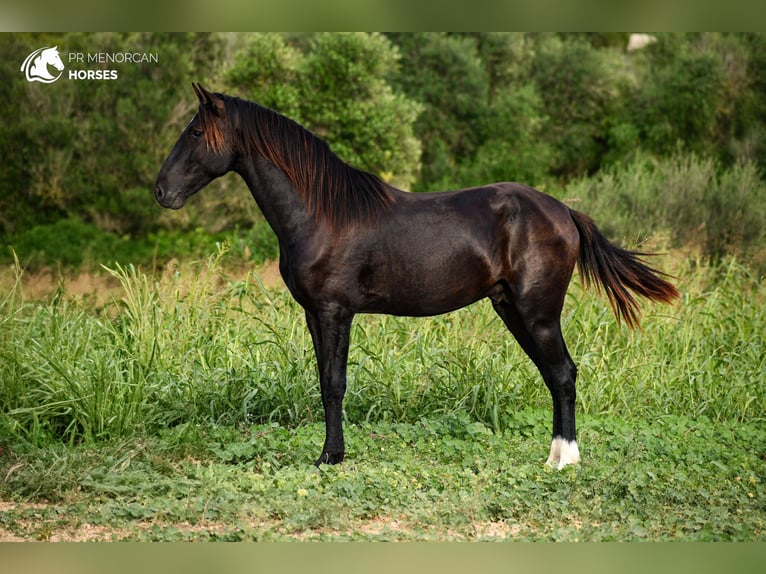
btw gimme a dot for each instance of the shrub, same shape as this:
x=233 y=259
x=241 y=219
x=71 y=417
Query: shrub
x=337 y=86
x=67 y=242
x=692 y=199
x=581 y=88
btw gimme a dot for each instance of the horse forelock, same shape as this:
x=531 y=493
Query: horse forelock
x=331 y=189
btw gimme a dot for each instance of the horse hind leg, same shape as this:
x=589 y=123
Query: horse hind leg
x=542 y=340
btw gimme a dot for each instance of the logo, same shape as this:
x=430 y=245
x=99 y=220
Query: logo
x=45 y=65
x=37 y=65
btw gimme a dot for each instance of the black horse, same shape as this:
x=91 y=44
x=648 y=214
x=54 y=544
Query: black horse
x=350 y=243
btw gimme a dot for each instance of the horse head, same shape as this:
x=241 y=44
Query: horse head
x=51 y=57
x=200 y=155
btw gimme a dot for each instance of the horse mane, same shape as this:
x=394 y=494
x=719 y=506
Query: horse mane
x=331 y=189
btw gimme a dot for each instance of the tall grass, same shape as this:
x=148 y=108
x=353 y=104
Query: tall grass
x=193 y=346
x=705 y=357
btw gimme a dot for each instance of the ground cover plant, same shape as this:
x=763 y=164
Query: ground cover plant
x=188 y=408
x=152 y=391
x=443 y=478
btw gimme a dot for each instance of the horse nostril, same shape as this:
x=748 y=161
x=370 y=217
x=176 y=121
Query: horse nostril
x=159 y=193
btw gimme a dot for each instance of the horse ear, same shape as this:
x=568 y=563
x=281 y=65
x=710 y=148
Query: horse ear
x=210 y=101
x=199 y=91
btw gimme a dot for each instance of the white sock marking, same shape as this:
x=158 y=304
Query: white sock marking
x=563 y=452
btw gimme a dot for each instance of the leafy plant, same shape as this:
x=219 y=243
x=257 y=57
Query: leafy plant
x=338 y=86
x=691 y=199
x=441 y=478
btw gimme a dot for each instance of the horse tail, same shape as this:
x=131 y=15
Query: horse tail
x=618 y=271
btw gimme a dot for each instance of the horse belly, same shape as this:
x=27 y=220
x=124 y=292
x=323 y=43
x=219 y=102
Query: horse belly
x=435 y=254
x=424 y=283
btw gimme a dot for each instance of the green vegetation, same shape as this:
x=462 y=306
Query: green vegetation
x=184 y=404
x=198 y=348
x=337 y=85
x=690 y=200
x=71 y=244
x=442 y=478
x=682 y=201
x=425 y=111
x=189 y=408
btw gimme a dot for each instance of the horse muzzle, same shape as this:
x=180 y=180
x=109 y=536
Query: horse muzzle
x=168 y=200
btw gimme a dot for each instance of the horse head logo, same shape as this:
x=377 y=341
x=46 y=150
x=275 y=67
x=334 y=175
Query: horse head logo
x=36 y=65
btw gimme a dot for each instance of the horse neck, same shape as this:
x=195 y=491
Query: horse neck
x=280 y=204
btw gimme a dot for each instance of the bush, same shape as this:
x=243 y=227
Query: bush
x=445 y=74
x=68 y=243
x=582 y=90
x=91 y=150
x=692 y=199
x=687 y=113
x=337 y=86
x=680 y=104
x=514 y=148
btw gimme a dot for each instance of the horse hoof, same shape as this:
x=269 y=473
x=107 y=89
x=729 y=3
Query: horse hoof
x=329 y=458
x=563 y=453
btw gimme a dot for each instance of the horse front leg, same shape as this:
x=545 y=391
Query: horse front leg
x=330 y=330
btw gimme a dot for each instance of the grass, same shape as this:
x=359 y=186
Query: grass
x=191 y=346
x=443 y=478
x=189 y=408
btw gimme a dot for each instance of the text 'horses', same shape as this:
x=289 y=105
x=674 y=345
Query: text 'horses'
x=349 y=243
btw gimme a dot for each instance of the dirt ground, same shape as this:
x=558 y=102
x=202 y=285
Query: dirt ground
x=75 y=531
x=99 y=288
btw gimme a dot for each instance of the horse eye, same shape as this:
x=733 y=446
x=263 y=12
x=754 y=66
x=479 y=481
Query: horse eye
x=196 y=133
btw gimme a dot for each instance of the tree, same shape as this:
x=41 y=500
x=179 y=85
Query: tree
x=445 y=74
x=483 y=119
x=581 y=88
x=91 y=149
x=336 y=85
